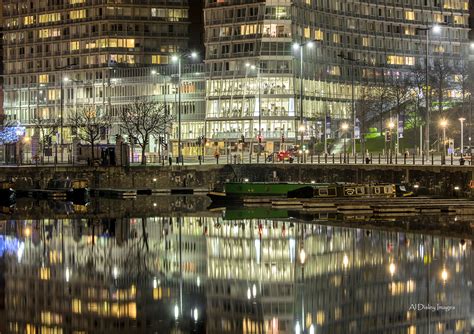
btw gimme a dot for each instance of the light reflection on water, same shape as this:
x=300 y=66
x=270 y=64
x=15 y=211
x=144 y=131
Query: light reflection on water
x=201 y=273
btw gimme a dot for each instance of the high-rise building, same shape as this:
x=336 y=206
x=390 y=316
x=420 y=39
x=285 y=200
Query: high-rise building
x=85 y=41
x=257 y=78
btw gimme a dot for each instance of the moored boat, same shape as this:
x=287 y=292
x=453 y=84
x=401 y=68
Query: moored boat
x=75 y=189
x=236 y=191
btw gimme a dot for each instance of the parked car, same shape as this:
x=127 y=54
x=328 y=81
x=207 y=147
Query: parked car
x=285 y=155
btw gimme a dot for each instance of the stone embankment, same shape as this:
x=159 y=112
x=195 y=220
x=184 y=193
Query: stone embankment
x=440 y=180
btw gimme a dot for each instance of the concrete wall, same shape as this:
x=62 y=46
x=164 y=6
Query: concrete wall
x=441 y=180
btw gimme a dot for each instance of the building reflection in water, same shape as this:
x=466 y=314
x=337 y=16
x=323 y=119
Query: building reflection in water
x=209 y=275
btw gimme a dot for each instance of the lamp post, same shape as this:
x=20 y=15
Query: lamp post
x=436 y=29
x=61 y=133
x=462 y=119
x=299 y=47
x=259 y=83
x=63 y=81
x=352 y=61
x=177 y=59
x=443 y=124
x=391 y=125
x=344 y=128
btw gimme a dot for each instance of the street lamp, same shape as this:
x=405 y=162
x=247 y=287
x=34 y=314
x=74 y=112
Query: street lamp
x=177 y=59
x=462 y=119
x=391 y=126
x=436 y=29
x=259 y=83
x=352 y=61
x=299 y=47
x=62 y=105
x=443 y=124
x=344 y=128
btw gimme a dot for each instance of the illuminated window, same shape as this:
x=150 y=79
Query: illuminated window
x=409 y=31
x=27 y=20
x=54 y=94
x=50 y=17
x=77 y=14
x=335 y=70
x=307 y=33
x=129 y=59
x=170 y=14
x=409 y=15
x=318 y=35
x=47 y=33
x=400 y=60
x=76 y=306
x=74 y=45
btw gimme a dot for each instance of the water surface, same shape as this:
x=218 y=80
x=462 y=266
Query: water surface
x=166 y=265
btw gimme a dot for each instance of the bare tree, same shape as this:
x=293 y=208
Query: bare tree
x=143 y=119
x=399 y=92
x=46 y=128
x=417 y=83
x=381 y=99
x=463 y=82
x=441 y=82
x=89 y=126
x=365 y=105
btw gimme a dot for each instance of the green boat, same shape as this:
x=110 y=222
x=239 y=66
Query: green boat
x=237 y=191
x=254 y=213
x=262 y=188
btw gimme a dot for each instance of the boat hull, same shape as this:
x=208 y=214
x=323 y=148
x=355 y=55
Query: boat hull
x=236 y=192
x=262 y=189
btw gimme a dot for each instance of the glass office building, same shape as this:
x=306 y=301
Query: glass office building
x=256 y=76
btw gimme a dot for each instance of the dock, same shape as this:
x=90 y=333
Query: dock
x=377 y=207
x=115 y=193
x=57 y=195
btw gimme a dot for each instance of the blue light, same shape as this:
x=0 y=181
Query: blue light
x=9 y=245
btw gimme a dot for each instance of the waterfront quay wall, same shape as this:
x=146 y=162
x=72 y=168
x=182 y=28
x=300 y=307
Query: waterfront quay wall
x=440 y=180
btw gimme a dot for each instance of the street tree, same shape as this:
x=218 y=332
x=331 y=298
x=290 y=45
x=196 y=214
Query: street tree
x=463 y=83
x=365 y=106
x=417 y=82
x=46 y=128
x=143 y=119
x=441 y=82
x=90 y=125
x=381 y=101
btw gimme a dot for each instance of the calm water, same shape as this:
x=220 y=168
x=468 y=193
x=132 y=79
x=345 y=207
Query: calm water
x=166 y=265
